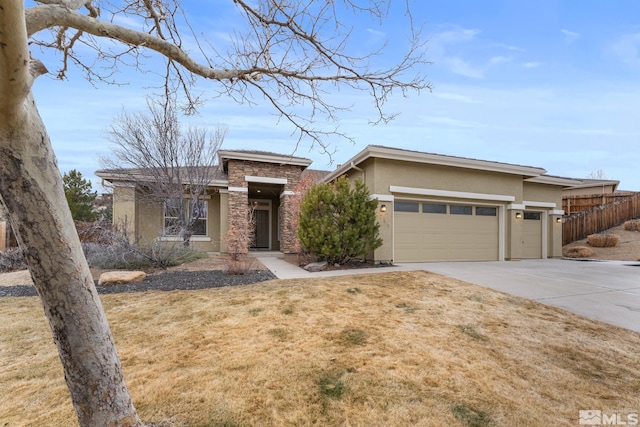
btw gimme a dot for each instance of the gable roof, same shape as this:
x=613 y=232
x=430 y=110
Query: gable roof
x=379 y=151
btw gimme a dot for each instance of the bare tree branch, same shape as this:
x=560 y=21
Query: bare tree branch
x=169 y=164
x=291 y=55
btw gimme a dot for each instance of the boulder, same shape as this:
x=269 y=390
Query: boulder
x=316 y=266
x=111 y=278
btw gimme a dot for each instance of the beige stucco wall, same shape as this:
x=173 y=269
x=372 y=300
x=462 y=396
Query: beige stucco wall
x=124 y=208
x=552 y=194
x=406 y=174
x=543 y=193
x=380 y=174
x=587 y=191
x=144 y=219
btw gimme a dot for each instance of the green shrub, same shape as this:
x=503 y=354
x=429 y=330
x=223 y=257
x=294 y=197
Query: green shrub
x=338 y=222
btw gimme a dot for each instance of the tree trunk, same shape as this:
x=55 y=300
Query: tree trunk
x=31 y=189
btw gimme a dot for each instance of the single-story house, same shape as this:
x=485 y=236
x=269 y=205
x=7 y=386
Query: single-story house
x=588 y=187
x=431 y=207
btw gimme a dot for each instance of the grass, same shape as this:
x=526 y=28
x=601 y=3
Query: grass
x=407 y=349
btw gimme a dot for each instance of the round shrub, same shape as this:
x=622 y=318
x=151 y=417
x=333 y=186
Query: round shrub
x=603 y=240
x=632 y=225
x=577 y=252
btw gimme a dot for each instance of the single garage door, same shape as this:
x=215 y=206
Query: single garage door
x=532 y=235
x=429 y=231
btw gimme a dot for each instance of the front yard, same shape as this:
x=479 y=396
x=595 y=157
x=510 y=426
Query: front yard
x=393 y=349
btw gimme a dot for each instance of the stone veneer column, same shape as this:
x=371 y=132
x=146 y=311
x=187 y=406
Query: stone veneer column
x=287 y=233
x=238 y=209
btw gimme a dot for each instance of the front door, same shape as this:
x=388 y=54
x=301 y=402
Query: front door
x=261 y=209
x=261 y=219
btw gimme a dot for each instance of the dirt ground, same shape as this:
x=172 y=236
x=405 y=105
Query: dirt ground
x=214 y=262
x=627 y=249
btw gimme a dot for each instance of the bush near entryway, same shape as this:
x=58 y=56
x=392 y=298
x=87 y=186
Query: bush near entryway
x=338 y=222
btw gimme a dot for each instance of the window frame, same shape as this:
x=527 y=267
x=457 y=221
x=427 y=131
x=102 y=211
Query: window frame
x=189 y=209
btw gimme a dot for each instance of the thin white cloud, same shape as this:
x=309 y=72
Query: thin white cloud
x=531 y=64
x=456 y=35
x=496 y=60
x=463 y=68
x=570 y=36
x=456 y=97
x=376 y=33
x=627 y=49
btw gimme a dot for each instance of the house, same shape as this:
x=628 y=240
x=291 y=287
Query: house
x=431 y=207
x=591 y=186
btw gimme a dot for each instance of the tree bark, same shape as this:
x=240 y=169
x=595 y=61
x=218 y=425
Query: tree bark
x=31 y=189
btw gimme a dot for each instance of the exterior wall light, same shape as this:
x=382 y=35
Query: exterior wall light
x=559 y=220
x=383 y=208
x=518 y=215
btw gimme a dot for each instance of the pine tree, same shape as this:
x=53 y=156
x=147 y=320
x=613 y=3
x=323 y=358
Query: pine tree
x=79 y=196
x=338 y=222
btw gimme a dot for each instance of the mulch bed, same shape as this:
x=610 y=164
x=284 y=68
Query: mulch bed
x=170 y=281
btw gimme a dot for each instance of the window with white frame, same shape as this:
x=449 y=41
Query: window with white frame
x=196 y=210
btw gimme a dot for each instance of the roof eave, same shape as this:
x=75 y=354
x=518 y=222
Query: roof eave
x=554 y=180
x=225 y=155
x=435 y=159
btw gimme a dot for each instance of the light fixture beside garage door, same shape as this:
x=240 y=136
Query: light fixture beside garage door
x=518 y=215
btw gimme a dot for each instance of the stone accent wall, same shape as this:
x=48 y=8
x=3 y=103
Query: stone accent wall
x=238 y=201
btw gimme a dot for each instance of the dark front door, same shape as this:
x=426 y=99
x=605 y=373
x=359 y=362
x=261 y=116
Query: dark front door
x=261 y=218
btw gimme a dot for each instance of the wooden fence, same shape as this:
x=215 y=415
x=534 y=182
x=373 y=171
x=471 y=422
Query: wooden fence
x=595 y=220
x=584 y=202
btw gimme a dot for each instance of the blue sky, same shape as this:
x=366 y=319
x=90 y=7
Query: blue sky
x=553 y=84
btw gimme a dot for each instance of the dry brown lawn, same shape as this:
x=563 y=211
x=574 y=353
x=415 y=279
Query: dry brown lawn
x=394 y=349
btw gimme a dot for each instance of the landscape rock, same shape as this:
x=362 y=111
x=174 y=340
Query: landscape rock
x=316 y=266
x=111 y=278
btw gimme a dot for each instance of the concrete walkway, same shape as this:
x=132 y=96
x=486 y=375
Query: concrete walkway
x=608 y=291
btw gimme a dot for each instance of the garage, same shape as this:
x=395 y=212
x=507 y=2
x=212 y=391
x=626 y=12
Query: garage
x=532 y=235
x=445 y=231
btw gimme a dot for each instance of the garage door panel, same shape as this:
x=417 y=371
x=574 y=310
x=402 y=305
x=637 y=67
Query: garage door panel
x=445 y=237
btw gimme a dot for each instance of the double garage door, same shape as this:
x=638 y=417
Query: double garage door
x=432 y=231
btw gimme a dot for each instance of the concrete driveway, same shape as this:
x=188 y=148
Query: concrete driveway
x=608 y=291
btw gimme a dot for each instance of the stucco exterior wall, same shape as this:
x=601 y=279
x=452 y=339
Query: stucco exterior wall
x=124 y=208
x=543 y=193
x=588 y=191
x=551 y=194
x=418 y=175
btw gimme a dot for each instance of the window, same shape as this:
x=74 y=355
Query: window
x=485 y=211
x=198 y=210
x=405 y=207
x=460 y=210
x=434 y=208
x=195 y=209
x=534 y=216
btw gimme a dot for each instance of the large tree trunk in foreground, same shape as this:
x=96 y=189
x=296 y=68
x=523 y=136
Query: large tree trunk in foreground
x=32 y=190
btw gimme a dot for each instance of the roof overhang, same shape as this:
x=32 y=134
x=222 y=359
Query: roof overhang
x=433 y=159
x=597 y=183
x=554 y=180
x=226 y=155
x=132 y=178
